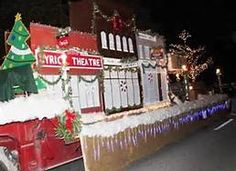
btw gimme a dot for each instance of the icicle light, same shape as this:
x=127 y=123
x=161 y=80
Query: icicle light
x=131 y=137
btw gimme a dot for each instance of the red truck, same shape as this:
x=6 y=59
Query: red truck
x=32 y=145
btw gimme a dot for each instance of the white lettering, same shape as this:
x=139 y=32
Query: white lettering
x=83 y=62
x=46 y=59
x=97 y=62
x=77 y=60
x=74 y=61
x=59 y=60
x=53 y=59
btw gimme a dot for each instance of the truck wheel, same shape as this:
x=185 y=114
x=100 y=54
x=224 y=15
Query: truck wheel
x=5 y=163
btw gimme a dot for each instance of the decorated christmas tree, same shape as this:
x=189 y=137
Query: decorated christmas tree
x=19 y=53
x=196 y=59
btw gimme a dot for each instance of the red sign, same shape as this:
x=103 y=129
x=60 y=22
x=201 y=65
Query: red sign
x=157 y=53
x=63 y=41
x=73 y=60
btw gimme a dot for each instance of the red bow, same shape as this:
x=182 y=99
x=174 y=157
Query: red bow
x=70 y=117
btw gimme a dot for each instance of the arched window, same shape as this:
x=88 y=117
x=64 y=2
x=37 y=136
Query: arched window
x=124 y=42
x=111 y=42
x=131 y=47
x=104 y=40
x=118 y=43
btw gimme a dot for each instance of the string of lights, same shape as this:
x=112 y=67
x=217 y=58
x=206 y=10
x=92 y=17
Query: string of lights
x=134 y=136
x=193 y=57
x=113 y=18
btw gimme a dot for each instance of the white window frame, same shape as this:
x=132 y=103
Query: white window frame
x=111 y=41
x=146 y=52
x=104 y=40
x=125 y=45
x=131 y=47
x=140 y=51
x=118 y=43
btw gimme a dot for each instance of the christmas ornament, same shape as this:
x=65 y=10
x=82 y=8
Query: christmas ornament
x=117 y=23
x=19 y=53
x=68 y=126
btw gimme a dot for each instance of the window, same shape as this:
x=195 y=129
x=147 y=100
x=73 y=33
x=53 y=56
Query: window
x=131 y=47
x=118 y=43
x=111 y=42
x=146 y=52
x=124 y=41
x=104 y=40
x=121 y=89
x=140 y=51
x=149 y=85
x=85 y=92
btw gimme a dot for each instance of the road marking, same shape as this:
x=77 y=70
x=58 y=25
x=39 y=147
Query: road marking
x=222 y=125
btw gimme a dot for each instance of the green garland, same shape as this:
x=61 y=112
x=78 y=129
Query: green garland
x=51 y=82
x=69 y=124
x=88 y=81
x=120 y=109
x=152 y=66
x=149 y=65
x=118 y=68
x=128 y=59
x=96 y=11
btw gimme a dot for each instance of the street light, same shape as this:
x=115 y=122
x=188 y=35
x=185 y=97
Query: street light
x=184 y=68
x=218 y=73
x=186 y=81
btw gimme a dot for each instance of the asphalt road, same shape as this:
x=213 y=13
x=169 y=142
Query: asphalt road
x=210 y=149
x=77 y=165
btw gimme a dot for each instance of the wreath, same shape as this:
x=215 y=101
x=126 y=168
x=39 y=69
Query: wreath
x=68 y=126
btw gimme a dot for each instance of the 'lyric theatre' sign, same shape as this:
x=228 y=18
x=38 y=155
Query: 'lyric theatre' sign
x=74 y=59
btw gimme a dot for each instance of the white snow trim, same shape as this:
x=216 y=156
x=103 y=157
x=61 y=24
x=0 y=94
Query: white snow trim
x=19 y=51
x=43 y=105
x=107 y=129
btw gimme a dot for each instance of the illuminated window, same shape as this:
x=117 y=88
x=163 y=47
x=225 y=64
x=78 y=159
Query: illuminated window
x=124 y=41
x=131 y=47
x=104 y=40
x=118 y=43
x=140 y=51
x=146 y=52
x=111 y=42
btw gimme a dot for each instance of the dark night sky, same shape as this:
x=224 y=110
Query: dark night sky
x=211 y=23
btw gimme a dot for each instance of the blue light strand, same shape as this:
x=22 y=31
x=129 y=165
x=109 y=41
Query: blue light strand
x=134 y=137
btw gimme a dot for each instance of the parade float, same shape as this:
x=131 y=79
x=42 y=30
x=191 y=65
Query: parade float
x=70 y=74
x=141 y=114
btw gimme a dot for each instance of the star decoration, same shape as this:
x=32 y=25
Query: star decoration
x=18 y=17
